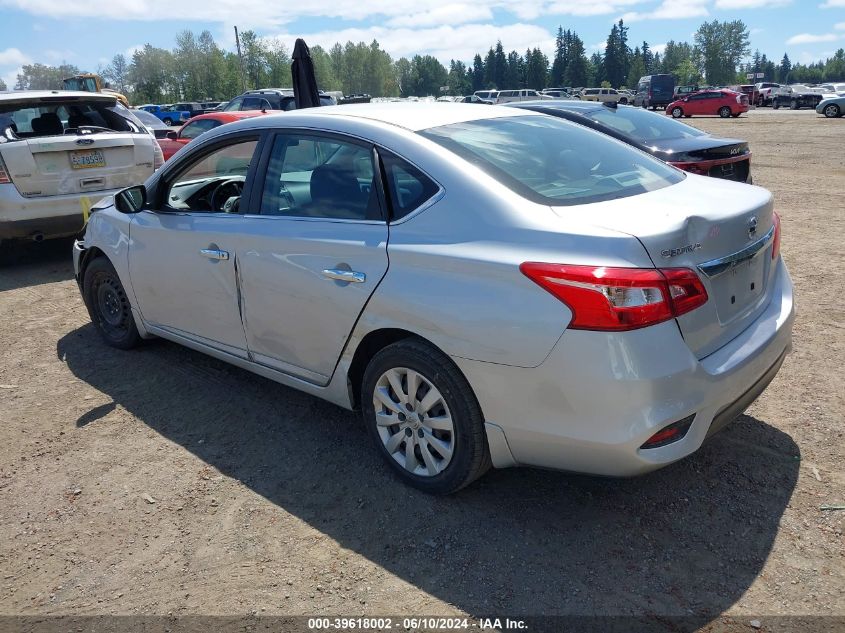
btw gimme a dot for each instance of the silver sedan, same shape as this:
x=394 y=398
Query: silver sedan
x=488 y=286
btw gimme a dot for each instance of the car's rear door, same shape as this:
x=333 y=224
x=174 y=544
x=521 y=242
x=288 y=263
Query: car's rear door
x=313 y=250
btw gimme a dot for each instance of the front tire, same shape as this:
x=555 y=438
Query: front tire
x=677 y=112
x=424 y=418
x=167 y=122
x=108 y=305
x=832 y=111
x=793 y=105
x=725 y=112
x=776 y=105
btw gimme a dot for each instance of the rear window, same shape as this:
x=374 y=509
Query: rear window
x=552 y=161
x=643 y=125
x=58 y=117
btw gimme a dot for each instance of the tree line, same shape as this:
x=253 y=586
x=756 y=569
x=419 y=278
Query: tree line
x=198 y=69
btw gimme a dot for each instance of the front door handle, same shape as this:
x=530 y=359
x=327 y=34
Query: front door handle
x=213 y=253
x=345 y=275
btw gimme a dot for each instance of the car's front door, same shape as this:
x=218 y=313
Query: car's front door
x=313 y=251
x=182 y=252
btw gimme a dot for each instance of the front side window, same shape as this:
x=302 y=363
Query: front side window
x=552 y=161
x=320 y=177
x=195 y=128
x=407 y=186
x=214 y=183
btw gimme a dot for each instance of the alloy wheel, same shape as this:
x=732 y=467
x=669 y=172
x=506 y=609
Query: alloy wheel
x=414 y=422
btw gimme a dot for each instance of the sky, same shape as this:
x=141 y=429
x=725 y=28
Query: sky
x=88 y=33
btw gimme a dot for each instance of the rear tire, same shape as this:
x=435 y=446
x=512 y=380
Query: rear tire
x=776 y=105
x=725 y=112
x=108 y=305
x=421 y=412
x=793 y=105
x=832 y=111
x=167 y=122
x=677 y=112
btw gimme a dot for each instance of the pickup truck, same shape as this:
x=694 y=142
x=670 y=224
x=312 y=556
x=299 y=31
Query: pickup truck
x=167 y=114
x=795 y=97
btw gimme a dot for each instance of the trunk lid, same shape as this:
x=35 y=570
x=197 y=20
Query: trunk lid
x=68 y=164
x=721 y=230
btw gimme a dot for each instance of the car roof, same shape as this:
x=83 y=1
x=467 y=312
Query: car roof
x=411 y=116
x=228 y=116
x=23 y=96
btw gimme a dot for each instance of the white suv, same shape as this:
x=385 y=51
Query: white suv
x=60 y=153
x=604 y=95
x=509 y=96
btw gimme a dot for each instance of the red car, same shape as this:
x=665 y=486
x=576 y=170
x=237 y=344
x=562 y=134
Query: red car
x=725 y=103
x=199 y=124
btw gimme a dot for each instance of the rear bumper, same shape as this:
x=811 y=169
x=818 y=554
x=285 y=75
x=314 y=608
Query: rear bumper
x=47 y=217
x=599 y=396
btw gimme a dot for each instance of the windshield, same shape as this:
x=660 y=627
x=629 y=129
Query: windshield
x=85 y=84
x=552 y=161
x=55 y=118
x=642 y=125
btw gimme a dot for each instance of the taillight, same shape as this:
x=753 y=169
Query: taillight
x=158 y=156
x=619 y=299
x=776 y=238
x=4 y=173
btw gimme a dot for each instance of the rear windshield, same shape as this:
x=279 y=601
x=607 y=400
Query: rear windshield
x=58 y=117
x=642 y=125
x=555 y=162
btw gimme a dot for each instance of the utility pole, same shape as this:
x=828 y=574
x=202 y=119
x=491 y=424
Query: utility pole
x=240 y=59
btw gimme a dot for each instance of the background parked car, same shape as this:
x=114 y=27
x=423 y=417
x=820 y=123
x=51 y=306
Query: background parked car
x=832 y=108
x=603 y=95
x=473 y=99
x=175 y=141
x=167 y=114
x=748 y=89
x=724 y=103
x=764 y=92
x=152 y=123
x=524 y=94
x=60 y=152
x=677 y=143
x=558 y=93
x=684 y=91
x=269 y=99
x=487 y=95
x=795 y=97
x=655 y=91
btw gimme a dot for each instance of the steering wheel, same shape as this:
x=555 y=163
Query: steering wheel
x=234 y=187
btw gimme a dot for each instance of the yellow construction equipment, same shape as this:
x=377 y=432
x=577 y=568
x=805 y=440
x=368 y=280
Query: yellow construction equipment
x=89 y=82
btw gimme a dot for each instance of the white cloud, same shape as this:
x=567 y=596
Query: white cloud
x=447 y=14
x=810 y=38
x=443 y=42
x=658 y=49
x=751 y=4
x=13 y=57
x=129 y=52
x=833 y=4
x=839 y=26
x=671 y=10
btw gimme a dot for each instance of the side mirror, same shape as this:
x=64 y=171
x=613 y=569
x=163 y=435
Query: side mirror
x=172 y=135
x=131 y=199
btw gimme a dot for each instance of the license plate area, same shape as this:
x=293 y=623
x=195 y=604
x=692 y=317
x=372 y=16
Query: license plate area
x=741 y=287
x=87 y=159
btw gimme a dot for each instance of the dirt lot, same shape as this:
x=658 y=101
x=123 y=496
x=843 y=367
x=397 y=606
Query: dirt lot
x=162 y=481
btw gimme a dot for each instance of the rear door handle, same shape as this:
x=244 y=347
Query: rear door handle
x=213 y=253
x=344 y=275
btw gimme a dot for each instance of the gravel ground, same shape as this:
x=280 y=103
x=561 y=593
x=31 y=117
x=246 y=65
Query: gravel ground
x=162 y=481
